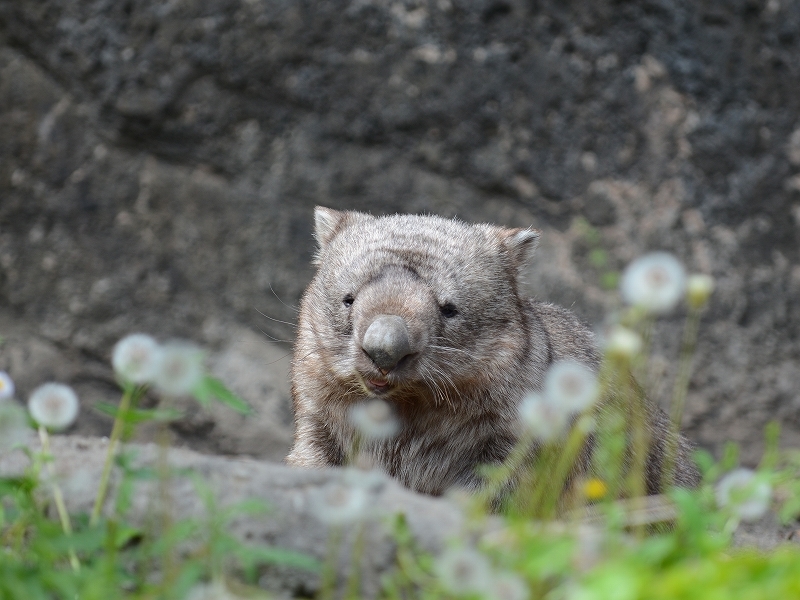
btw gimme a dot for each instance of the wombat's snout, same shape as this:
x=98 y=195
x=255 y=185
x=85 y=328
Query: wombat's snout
x=387 y=341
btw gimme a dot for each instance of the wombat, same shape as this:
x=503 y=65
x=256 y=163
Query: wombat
x=426 y=313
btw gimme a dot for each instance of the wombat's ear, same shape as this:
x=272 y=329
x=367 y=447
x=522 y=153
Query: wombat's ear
x=327 y=223
x=519 y=245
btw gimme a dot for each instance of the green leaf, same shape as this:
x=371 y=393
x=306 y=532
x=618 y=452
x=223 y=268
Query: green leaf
x=134 y=416
x=610 y=280
x=253 y=506
x=598 y=258
x=211 y=387
x=202 y=392
x=190 y=573
x=276 y=556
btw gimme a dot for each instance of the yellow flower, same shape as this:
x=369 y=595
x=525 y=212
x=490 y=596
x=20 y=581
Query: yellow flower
x=595 y=489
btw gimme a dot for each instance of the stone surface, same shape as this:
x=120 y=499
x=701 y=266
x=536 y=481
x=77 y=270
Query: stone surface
x=159 y=163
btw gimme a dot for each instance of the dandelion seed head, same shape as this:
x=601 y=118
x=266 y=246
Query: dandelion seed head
x=180 y=370
x=571 y=385
x=655 y=282
x=507 y=586
x=136 y=358
x=699 y=289
x=544 y=420
x=744 y=493
x=463 y=571
x=13 y=426
x=374 y=419
x=54 y=405
x=339 y=504
x=6 y=386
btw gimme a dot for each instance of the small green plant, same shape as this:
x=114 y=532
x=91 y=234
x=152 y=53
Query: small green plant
x=596 y=254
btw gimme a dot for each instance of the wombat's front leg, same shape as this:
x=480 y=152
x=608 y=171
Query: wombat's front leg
x=314 y=446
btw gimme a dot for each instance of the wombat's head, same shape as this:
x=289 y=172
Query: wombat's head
x=416 y=307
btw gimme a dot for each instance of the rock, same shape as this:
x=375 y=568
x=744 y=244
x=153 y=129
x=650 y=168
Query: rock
x=599 y=208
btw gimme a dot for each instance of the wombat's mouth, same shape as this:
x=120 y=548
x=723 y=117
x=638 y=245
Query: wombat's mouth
x=377 y=385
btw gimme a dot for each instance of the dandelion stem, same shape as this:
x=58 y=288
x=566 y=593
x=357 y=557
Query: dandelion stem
x=535 y=481
x=640 y=446
x=355 y=448
x=503 y=475
x=328 y=584
x=550 y=494
x=608 y=456
x=353 y=582
x=772 y=432
x=688 y=345
x=164 y=513
x=116 y=434
x=61 y=508
x=639 y=368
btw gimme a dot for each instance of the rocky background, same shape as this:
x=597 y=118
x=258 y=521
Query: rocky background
x=159 y=163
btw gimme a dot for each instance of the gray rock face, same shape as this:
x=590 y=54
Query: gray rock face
x=159 y=163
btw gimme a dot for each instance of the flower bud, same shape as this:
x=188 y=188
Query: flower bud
x=698 y=290
x=623 y=343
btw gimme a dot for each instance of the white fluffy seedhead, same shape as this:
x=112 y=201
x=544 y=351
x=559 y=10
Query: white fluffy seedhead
x=54 y=405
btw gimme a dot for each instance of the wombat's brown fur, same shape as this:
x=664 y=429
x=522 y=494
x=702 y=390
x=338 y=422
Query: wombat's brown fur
x=426 y=313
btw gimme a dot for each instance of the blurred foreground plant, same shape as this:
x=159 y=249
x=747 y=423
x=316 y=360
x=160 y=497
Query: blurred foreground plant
x=89 y=557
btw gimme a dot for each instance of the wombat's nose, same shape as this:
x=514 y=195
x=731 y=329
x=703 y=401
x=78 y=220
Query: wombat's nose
x=386 y=341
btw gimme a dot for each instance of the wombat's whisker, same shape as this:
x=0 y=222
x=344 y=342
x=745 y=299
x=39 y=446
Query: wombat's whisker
x=439 y=392
x=427 y=380
x=352 y=389
x=294 y=308
x=299 y=358
x=450 y=348
x=277 y=359
x=274 y=339
x=430 y=378
x=444 y=340
x=447 y=383
x=274 y=319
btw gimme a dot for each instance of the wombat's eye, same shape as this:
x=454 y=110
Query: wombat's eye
x=448 y=310
x=348 y=300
